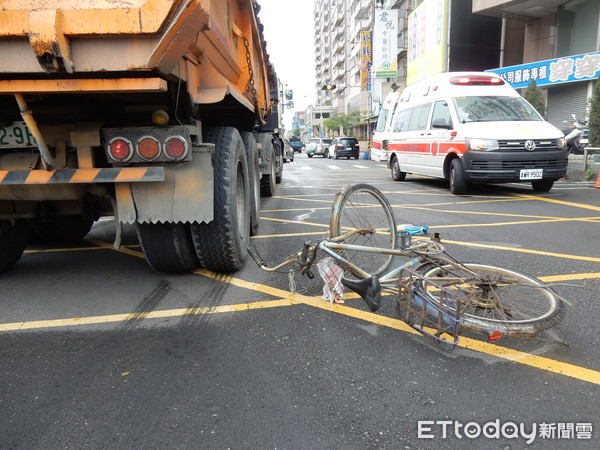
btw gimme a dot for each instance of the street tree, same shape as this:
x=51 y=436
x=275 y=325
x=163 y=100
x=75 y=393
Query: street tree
x=594 y=118
x=533 y=94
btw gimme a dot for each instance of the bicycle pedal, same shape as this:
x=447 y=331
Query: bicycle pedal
x=437 y=237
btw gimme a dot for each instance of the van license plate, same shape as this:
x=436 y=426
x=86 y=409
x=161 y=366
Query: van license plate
x=531 y=174
x=15 y=136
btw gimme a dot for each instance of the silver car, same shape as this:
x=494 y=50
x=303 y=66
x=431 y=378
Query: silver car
x=320 y=147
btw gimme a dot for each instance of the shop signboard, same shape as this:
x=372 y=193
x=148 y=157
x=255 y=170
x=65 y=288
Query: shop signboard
x=553 y=71
x=385 y=43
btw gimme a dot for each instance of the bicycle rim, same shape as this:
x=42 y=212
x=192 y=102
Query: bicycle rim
x=497 y=298
x=364 y=207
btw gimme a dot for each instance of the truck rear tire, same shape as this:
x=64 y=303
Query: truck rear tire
x=168 y=246
x=13 y=240
x=253 y=179
x=221 y=245
x=61 y=228
x=268 y=180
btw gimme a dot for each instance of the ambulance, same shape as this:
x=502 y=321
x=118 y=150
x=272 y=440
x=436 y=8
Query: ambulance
x=468 y=128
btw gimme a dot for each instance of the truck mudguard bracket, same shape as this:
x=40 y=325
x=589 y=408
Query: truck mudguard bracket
x=186 y=194
x=70 y=176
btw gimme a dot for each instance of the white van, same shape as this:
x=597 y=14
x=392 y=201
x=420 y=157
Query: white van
x=468 y=127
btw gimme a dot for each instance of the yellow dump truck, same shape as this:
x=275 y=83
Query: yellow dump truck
x=161 y=113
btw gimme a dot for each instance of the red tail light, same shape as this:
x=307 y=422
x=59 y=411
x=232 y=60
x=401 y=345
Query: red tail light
x=176 y=147
x=339 y=146
x=120 y=149
x=148 y=148
x=494 y=335
x=477 y=81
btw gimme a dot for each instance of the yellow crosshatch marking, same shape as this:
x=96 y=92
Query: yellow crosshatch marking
x=286 y=298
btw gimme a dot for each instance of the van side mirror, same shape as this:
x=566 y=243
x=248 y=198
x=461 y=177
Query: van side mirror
x=441 y=123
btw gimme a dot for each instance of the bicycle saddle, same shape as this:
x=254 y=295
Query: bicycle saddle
x=369 y=289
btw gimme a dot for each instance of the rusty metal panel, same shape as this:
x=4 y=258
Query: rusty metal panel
x=206 y=42
x=85 y=17
x=84 y=85
x=186 y=195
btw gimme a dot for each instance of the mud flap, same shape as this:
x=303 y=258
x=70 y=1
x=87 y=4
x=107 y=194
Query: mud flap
x=186 y=195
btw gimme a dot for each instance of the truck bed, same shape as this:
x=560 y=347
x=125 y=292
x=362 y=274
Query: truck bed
x=202 y=42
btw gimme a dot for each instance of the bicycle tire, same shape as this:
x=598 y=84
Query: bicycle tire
x=362 y=206
x=498 y=299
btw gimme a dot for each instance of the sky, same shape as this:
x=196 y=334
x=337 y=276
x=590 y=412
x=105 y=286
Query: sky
x=289 y=32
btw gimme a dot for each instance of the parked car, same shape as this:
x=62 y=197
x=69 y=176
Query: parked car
x=296 y=144
x=288 y=151
x=320 y=148
x=347 y=146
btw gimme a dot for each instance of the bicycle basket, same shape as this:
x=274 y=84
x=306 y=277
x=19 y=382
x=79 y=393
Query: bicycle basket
x=428 y=308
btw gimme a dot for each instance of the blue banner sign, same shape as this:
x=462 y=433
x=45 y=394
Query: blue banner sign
x=552 y=71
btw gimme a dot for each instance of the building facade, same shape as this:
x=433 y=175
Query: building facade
x=339 y=26
x=473 y=35
x=555 y=42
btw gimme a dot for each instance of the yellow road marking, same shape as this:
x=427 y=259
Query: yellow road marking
x=559 y=202
x=289 y=299
x=299 y=222
x=314 y=233
x=111 y=318
x=570 y=277
x=523 y=250
x=60 y=250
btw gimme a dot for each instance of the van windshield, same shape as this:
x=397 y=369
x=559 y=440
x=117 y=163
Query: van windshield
x=494 y=109
x=382 y=120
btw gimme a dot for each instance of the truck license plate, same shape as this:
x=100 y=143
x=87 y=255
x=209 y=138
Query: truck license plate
x=16 y=135
x=531 y=174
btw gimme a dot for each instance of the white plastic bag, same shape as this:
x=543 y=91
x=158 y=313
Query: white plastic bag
x=331 y=273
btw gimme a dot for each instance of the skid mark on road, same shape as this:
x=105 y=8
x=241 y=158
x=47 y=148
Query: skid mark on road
x=290 y=299
x=286 y=298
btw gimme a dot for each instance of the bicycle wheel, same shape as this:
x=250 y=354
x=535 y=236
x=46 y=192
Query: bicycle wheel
x=496 y=299
x=363 y=207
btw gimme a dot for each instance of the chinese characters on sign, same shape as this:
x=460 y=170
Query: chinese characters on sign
x=365 y=59
x=427 y=40
x=553 y=71
x=385 y=43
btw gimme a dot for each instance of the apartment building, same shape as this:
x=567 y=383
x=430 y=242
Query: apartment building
x=339 y=25
x=555 y=42
x=340 y=28
x=523 y=37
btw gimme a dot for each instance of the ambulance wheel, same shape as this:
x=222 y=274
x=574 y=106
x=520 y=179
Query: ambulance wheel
x=458 y=183
x=542 y=185
x=397 y=174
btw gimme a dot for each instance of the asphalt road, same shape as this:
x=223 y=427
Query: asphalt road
x=99 y=351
